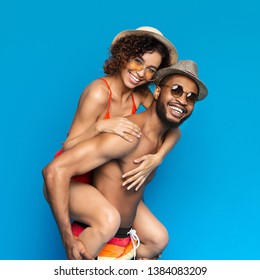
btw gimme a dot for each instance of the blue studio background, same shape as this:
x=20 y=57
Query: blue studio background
x=206 y=191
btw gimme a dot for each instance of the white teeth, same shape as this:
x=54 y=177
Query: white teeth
x=134 y=78
x=176 y=109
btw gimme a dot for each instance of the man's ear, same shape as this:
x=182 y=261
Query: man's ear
x=156 y=92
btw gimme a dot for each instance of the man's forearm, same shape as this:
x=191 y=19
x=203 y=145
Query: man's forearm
x=57 y=188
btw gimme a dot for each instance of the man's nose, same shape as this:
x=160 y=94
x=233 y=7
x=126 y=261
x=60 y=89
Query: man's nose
x=182 y=99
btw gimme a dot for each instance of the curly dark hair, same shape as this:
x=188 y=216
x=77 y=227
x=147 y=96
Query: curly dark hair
x=132 y=46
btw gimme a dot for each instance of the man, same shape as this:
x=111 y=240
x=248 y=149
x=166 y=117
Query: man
x=178 y=88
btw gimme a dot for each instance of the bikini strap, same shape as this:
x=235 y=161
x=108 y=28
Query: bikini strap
x=134 y=106
x=107 y=115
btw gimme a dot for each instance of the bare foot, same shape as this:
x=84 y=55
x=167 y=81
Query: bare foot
x=145 y=259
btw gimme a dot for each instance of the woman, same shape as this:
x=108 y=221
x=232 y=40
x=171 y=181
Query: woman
x=136 y=55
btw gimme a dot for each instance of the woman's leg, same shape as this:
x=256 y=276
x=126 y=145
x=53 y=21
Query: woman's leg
x=152 y=233
x=88 y=206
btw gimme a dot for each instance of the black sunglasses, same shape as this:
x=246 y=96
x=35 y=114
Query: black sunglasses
x=177 y=91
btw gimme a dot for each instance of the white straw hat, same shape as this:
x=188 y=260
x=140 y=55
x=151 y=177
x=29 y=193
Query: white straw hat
x=152 y=32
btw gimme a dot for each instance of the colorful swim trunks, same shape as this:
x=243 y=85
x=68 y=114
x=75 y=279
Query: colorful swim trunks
x=121 y=247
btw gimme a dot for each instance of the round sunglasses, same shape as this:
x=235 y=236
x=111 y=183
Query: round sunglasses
x=177 y=91
x=137 y=64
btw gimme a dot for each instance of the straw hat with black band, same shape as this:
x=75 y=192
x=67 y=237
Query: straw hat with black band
x=152 y=32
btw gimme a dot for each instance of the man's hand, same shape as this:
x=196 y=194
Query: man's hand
x=76 y=250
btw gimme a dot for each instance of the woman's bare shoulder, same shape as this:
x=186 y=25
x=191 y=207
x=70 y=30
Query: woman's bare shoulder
x=97 y=91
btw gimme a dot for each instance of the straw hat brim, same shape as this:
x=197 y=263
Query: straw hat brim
x=203 y=91
x=160 y=38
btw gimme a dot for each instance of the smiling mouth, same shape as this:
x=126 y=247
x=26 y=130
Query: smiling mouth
x=134 y=78
x=177 y=111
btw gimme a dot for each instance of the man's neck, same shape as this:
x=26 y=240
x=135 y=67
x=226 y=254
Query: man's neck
x=153 y=124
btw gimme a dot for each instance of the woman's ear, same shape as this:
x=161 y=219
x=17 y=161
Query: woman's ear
x=156 y=92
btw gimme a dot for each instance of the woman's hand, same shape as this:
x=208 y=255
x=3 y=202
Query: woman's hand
x=119 y=126
x=137 y=176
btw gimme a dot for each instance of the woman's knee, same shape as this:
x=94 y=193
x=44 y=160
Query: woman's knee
x=108 y=221
x=159 y=239
x=163 y=239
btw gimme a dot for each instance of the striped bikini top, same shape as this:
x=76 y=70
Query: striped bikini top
x=107 y=115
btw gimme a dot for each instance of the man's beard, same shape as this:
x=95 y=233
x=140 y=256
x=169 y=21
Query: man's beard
x=161 y=112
